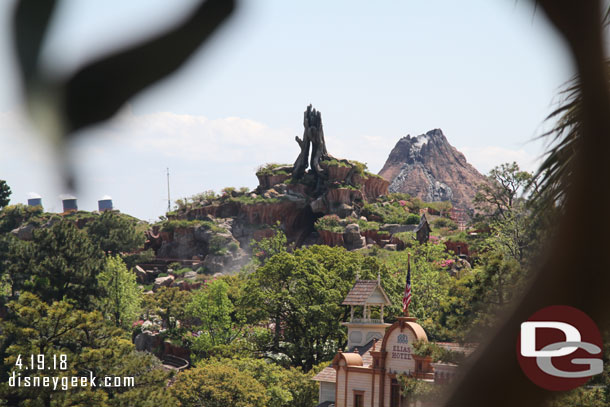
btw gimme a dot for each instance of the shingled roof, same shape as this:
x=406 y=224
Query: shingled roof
x=362 y=291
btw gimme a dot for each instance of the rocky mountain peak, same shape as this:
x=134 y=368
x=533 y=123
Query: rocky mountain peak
x=428 y=167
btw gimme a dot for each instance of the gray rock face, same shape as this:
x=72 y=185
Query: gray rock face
x=163 y=282
x=190 y=274
x=144 y=341
x=318 y=206
x=224 y=263
x=141 y=275
x=24 y=232
x=352 y=238
x=428 y=167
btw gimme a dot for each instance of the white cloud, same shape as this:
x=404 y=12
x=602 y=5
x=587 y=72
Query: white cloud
x=189 y=137
x=487 y=157
x=127 y=158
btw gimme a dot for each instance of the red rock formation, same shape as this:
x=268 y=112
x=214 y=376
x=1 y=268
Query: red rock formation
x=286 y=212
x=266 y=181
x=376 y=236
x=300 y=189
x=331 y=238
x=263 y=233
x=457 y=247
x=337 y=173
x=339 y=196
x=375 y=187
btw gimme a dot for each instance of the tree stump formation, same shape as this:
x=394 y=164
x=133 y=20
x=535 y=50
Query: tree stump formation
x=314 y=135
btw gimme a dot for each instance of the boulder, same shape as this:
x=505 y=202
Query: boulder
x=352 y=238
x=344 y=210
x=190 y=274
x=141 y=275
x=318 y=206
x=163 y=282
x=24 y=232
x=391 y=247
x=144 y=341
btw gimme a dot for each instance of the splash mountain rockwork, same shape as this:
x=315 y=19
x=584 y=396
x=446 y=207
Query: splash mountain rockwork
x=320 y=199
x=428 y=167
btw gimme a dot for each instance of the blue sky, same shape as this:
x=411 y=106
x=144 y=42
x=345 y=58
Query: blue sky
x=484 y=71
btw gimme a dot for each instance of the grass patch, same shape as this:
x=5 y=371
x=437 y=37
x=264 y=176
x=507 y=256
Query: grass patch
x=248 y=200
x=273 y=169
x=330 y=223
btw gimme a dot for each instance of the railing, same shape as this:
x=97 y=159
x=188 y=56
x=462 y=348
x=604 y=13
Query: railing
x=366 y=321
x=175 y=362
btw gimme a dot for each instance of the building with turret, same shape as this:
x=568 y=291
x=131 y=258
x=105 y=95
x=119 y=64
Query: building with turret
x=366 y=374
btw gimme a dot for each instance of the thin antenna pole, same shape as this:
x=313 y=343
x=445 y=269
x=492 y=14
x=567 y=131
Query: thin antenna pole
x=169 y=204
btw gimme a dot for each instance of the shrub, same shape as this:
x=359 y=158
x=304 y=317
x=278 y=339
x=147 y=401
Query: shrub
x=405 y=237
x=217 y=245
x=172 y=225
x=272 y=169
x=437 y=352
x=331 y=223
x=202 y=197
x=389 y=213
x=248 y=200
x=181 y=271
x=233 y=246
x=413 y=219
x=334 y=163
x=367 y=225
x=228 y=190
x=445 y=223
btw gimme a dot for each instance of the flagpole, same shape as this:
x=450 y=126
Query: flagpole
x=408 y=275
x=407 y=294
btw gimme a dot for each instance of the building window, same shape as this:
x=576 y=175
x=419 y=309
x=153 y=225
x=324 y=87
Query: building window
x=358 y=399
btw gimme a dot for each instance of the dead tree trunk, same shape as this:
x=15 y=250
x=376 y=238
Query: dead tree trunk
x=314 y=134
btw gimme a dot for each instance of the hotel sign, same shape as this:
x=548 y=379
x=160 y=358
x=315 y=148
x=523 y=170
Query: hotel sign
x=402 y=350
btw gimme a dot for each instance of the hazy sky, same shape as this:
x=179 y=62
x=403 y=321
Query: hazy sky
x=486 y=72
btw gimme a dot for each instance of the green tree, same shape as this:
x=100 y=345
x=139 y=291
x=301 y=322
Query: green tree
x=301 y=294
x=213 y=308
x=489 y=289
x=122 y=297
x=115 y=233
x=14 y=268
x=5 y=193
x=34 y=327
x=64 y=264
x=218 y=386
x=270 y=246
x=504 y=188
x=509 y=216
x=13 y=216
x=170 y=303
x=285 y=387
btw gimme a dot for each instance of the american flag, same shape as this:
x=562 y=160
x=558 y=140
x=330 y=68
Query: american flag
x=406 y=299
